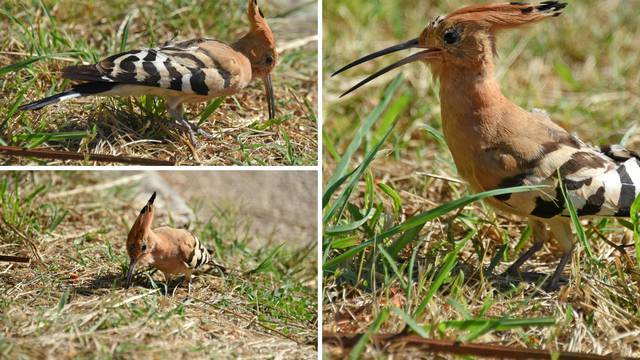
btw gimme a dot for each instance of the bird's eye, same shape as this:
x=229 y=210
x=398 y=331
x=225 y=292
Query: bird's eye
x=451 y=36
x=269 y=59
x=144 y=247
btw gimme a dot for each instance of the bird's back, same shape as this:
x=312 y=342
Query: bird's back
x=182 y=250
x=201 y=68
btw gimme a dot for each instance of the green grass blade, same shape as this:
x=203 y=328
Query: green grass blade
x=449 y=262
x=582 y=236
x=63 y=300
x=420 y=220
x=393 y=265
x=329 y=147
x=341 y=168
x=339 y=204
x=345 y=242
x=397 y=202
x=290 y=153
x=37 y=139
x=411 y=323
x=395 y=109
x=481 y=330
x=125 y=34
x=16 y=104
x=26 y=62
x=310 y=111
x=326 y=197
x=350 y=226
x=357 y=350
x=209 y=109
x=460 y=308
x=436 y=134
x=635 y=220
x=266 y=263
x=479 y=327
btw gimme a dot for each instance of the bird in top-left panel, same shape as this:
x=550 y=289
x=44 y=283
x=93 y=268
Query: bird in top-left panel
x=230 y=82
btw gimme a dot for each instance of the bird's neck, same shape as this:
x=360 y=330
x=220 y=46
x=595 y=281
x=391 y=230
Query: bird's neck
x=470 y=96
x=473 y=113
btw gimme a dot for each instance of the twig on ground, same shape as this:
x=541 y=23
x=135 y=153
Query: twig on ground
x=32 y=245
x=456 y=347
x=70 y=155
x=18 y=259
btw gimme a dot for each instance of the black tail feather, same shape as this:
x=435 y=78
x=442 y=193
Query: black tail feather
x=36 y=105
x=83 y=73
x=85 y=89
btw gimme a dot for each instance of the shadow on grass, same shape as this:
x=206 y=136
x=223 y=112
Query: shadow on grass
x=116 y=280
x=105 y=281
x=107 y=123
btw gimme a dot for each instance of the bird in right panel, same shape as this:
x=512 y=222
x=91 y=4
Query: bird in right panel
x=497 y=144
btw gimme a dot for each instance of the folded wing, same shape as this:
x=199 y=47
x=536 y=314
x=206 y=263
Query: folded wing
x=201 y=67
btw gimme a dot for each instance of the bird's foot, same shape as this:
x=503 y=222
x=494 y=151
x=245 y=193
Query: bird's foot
x=201 y=132
x=552 y=285
x=192 y=130
x=510 y=278
x=186 y=128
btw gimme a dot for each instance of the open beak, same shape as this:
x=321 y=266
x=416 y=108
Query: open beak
x=268 y=86
x=132 y=266
x=428 y=53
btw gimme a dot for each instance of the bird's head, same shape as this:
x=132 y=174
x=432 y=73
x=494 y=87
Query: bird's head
x=463 y=39
x=259 y=46
x=140 y=241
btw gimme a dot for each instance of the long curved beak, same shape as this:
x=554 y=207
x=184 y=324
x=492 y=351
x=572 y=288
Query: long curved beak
x=428 y=53
x=268 y=86
x=132 y=266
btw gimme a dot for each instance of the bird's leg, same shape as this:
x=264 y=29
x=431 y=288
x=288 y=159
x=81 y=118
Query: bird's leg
x=540 y=235
x=167 y=282
x=175 y=110
x=561 y=230
x=187 y=278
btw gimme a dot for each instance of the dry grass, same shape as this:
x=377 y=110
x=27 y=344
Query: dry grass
x=73 y=32
x=72 y=303
x=584 y=69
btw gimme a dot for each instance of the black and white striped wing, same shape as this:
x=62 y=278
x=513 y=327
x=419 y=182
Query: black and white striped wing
x=605 y=192
x=199 y=256
x=185 y=67
x=599 y=182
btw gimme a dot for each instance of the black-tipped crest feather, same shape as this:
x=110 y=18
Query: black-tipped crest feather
x=149 y=203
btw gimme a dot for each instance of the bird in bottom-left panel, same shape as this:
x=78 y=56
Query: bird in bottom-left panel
x=201 y=264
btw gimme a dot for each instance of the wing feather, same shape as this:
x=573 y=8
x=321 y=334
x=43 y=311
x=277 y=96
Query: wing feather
x=190 y=67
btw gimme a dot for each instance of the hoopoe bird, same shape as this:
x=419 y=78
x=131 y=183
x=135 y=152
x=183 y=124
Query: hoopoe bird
x=190 y=71
x=172 y=251
x=497 y=144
